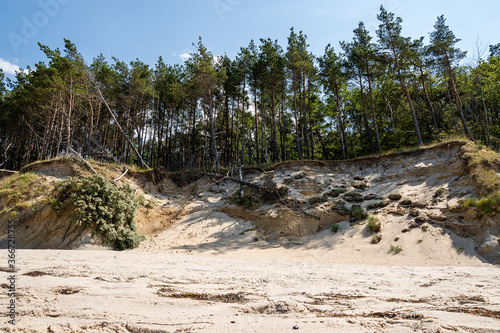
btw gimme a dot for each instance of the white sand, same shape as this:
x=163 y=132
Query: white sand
x=179 y=278
x=125 y=292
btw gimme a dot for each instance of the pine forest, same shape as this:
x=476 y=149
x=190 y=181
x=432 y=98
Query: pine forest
x=271 y=103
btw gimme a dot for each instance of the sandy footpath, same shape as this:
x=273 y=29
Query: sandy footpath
x=135 y=291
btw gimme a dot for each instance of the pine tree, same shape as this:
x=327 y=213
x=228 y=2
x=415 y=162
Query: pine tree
x=396 y=46
x=362 y=55
x=300 y=67
x=333 y=79
x=208 y=81
x=419 y=59
x=443 y=42
x=272 y=59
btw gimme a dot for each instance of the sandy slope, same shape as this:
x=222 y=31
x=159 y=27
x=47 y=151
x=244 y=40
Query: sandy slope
x=209 y=266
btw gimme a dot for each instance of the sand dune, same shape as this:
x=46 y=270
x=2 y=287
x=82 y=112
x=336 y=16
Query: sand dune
x=209 y=265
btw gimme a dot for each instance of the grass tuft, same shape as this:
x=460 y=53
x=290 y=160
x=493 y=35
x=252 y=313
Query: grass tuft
x=374 y=224
x=396 y=249
x=486 y=205
x=335 y=228
x=358 y=213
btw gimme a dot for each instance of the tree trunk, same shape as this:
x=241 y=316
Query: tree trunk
x=91 y=126
x=256 y=126
x=276 y=152
x=451 y=107
x=297 y=133
x=68 y=119
x=309 y=109
x=242 y=160
x=413 y=114
x=458 y=102
x=486 y=121
x=282 y=128
x=304 y=117
x=215 y=153
x=118 y=125
x=426 y=93
x=365 y=116
x=374 y=117
x=343 y=141
x=393 y=122
x=408 y=97
x=226 y=151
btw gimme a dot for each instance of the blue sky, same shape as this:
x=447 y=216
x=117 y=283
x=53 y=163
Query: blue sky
x=130 y=29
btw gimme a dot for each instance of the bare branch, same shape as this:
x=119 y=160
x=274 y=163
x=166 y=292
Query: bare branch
x=84 y=161
x=117 y=179
x=118 y=124
x=5 y=154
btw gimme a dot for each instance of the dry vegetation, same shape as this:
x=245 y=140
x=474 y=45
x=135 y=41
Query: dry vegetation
x=483 y=165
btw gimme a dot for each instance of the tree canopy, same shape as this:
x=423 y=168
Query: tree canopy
x=270 y=103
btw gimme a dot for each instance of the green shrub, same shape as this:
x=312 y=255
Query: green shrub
x=337 y=191
x=57 y=206
x=487 y=205
x=335 y=228
x=18 y=187
x=106 y=208
x=141 y=200
x=376 y=238
x=374 y=224
x=358 y=213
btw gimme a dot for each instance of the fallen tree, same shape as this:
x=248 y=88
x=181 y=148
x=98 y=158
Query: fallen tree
x=269 y=190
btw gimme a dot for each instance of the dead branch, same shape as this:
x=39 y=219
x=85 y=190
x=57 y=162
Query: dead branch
x=117 y=179
x=99 y=153
x=118 y=124
x=268 y=190
x=5 y=154
x=80 y=157
x=309 y=214
x=242 y=182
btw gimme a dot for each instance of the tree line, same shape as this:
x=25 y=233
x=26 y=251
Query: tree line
x=268 y=104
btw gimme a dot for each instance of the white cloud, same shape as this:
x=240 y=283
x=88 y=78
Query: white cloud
x=185 y=56
x=8 y=68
